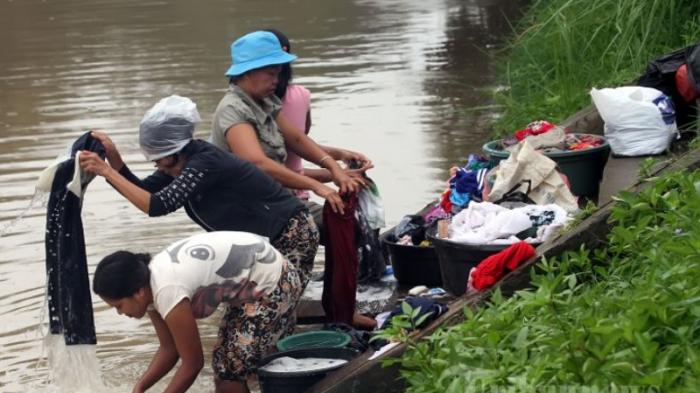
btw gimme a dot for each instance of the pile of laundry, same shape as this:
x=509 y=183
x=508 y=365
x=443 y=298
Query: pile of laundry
x=487 y=223
x=411 y=231
x=465 y=184
x=550 y=138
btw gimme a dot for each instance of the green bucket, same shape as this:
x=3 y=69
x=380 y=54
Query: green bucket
x=314 y=339
x=584 y=168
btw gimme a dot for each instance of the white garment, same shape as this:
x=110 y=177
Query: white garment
x=487 y=223
x=214 y=267
x=47 y=175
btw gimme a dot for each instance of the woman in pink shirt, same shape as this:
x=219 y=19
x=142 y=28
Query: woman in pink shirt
x=296 y=107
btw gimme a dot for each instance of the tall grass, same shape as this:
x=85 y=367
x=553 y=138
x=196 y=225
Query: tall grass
x=562 y=48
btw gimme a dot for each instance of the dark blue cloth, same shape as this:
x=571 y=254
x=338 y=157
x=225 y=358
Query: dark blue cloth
x=70 y=304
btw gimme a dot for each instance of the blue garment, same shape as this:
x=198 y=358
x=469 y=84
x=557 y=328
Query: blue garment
x=459 y=199
x=466 y=185
x=70 y=304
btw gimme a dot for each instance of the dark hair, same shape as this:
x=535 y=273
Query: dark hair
x=286 y=73
x=121 y=274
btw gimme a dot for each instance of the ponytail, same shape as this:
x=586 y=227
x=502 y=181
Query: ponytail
x=121 y=274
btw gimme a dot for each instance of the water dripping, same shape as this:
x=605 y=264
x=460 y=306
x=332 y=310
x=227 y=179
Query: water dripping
x=39 y=197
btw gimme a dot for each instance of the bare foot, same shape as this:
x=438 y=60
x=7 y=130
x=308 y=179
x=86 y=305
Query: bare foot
x=363 y=322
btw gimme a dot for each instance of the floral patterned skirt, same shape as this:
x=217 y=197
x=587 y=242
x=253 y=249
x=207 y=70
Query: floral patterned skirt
x=298 y=242
x=247 y=332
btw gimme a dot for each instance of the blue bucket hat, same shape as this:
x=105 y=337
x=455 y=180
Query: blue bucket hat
x=256 y=50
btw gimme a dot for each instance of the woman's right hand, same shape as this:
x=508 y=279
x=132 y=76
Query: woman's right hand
x=332 y=197
x=111 y=152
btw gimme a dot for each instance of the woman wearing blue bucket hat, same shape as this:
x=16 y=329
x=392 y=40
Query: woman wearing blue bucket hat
x=248 y=122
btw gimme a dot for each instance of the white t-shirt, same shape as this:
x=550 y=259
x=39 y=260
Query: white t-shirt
x=214 y=267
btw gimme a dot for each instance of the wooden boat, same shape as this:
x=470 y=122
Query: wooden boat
x=365 y=375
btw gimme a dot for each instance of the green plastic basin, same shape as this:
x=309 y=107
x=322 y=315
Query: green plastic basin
x=314 y=339
x=584 y=168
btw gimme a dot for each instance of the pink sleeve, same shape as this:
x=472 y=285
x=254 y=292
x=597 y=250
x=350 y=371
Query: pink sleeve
x=296 y=104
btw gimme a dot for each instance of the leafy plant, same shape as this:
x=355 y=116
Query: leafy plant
x=402 y=324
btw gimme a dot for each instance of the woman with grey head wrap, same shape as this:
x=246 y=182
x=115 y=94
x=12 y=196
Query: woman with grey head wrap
x=220 y=192
x=168 y=127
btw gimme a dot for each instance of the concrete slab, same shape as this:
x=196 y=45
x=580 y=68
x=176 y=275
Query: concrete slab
x=620 y=174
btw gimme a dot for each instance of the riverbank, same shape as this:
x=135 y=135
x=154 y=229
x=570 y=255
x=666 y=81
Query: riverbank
x=620 y=315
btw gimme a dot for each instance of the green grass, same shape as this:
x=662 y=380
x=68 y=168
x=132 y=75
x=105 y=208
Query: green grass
x=623 y=316
x=563 y=48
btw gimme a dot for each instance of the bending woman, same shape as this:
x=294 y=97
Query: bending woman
x=248 y=122
x=218 y=190
x=188 y=280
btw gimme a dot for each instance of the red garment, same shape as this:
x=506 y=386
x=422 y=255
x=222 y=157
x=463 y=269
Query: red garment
x=342 y=262
x=491 y=269
x=445 y=202
x=583 y=142
x=534 y=128
x=684 y=85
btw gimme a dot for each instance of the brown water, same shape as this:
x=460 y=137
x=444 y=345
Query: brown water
x=390 y=78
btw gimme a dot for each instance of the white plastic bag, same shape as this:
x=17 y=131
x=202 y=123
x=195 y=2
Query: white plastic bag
x=168 y=127
x=638 y=120
x=372 y=206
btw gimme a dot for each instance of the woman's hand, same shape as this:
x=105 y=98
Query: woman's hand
x=349 y=157
x=111 y=152
x=332 y=197
x=345 y=182
x=359 y=173
x=93 y=163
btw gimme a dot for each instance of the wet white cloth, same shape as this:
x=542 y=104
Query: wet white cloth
x=288 y=364
x=486 y=223
x=546 y=184
x=47 y=175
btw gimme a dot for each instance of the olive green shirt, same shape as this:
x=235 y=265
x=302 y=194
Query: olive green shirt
x=237 y=107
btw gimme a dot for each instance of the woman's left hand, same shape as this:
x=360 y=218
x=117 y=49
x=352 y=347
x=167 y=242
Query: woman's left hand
x=345 y=182
x=91 y=162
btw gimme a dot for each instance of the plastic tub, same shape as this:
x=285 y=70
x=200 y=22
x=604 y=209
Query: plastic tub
x=458 y=259
x=414 y=265
x=314 y=339
x=300 y=381
x=584 y=168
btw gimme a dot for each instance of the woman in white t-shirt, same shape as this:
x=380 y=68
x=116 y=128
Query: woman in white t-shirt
x=188 y=280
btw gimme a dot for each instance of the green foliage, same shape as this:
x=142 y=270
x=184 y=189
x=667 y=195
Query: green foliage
x=624 y=315
x=402 y=324
x=645 y=168
x=563 y=48
x=583 y=213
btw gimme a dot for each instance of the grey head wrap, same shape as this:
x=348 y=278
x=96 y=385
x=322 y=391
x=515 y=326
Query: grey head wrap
x=168 y=127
